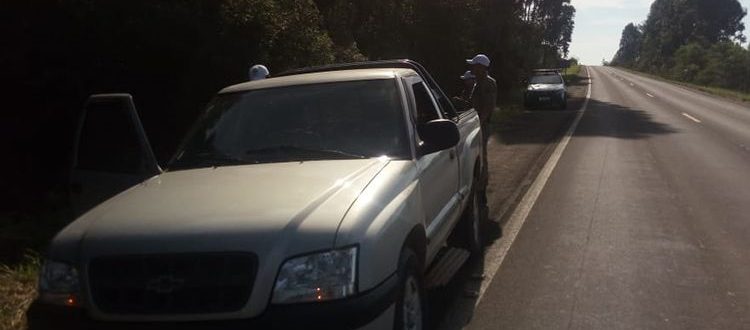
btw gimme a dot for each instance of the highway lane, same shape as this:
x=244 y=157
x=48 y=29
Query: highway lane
x=644 y=222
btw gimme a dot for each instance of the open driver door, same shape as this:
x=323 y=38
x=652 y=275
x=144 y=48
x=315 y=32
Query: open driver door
x=111 y=152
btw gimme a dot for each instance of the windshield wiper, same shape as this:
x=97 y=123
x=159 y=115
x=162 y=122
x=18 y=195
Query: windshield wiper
x=207 y=159
x=286 y=149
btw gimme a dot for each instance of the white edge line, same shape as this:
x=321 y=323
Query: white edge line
x=691 y=118
x=522 y=210
x=649 y=95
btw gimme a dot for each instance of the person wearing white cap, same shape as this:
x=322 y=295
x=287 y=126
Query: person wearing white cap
x=484 y=94
x=484 y=101
x=258 y=72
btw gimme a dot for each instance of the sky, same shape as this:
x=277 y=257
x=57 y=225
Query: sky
x=599 y=24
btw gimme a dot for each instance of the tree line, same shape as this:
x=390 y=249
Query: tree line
x=174 y=55
x=695 y=41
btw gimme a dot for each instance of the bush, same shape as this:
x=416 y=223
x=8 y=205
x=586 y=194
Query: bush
x=724 y=65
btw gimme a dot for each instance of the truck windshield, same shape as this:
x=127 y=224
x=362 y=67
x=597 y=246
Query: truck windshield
x=546 y=79
x=343 y=120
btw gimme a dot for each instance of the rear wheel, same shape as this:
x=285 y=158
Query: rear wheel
x=410 y=306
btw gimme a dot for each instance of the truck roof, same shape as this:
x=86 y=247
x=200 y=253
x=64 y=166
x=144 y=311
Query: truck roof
x=320 y=77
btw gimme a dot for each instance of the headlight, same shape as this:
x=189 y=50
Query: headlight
x=58 y=283
x=317 y=277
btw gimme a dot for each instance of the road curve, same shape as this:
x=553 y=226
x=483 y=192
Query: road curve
x=644 y=222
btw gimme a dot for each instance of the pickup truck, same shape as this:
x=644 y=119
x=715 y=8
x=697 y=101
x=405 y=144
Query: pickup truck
x=329 y=197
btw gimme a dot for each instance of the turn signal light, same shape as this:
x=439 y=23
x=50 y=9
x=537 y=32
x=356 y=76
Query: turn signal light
x=71 y=300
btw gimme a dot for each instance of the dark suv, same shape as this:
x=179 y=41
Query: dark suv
x=546 y=88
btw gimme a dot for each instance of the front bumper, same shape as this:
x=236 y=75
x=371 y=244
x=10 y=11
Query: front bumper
x=544 y=97
x=346 y=313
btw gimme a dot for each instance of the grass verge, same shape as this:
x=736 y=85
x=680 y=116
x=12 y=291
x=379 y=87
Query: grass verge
x=572 y=75
x=22 y=234
x=721 y=92
x=17 y=290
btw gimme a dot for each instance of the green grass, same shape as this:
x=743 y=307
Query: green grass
x=572 y=75
x=510 y=105
x=572 y=71
x=17 y=290
x=721 y=92
x=728 y=93
x=22 y=234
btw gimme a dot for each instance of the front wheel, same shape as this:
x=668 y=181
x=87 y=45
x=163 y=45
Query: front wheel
x=410 y=303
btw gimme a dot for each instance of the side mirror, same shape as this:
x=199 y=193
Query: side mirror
x=438 y=134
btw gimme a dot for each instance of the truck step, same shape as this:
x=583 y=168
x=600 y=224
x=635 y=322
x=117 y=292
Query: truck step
x=447 y=265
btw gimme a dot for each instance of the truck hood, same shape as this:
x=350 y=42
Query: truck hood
x=277 y=210
x=546 y=87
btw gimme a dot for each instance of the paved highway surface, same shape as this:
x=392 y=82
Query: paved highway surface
x=642 y=223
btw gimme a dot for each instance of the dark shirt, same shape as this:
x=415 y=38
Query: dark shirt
x=484 y=98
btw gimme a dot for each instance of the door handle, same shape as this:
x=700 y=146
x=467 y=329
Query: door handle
x=452 y=154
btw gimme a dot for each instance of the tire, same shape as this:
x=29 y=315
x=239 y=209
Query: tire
x=410 y=302
x=471 y=223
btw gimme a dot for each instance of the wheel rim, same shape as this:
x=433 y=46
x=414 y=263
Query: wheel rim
x=412 y=308
x=475 y=220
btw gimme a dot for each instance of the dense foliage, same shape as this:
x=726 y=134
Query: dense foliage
x=174 y=55
x=695 y=41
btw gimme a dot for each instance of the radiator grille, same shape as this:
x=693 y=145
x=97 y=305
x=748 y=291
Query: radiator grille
x=172 y=284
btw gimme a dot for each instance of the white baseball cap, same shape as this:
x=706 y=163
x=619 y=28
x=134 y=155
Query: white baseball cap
x=258 y=72
x=468 y=75
x=480 y=59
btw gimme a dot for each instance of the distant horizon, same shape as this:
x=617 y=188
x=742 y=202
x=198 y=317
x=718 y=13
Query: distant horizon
x=599 y=24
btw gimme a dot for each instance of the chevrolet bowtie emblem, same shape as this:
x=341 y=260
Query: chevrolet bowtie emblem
x=164 y=284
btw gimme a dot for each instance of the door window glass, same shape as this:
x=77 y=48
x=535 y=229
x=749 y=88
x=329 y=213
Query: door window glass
x=425 y=107
x=109 y=141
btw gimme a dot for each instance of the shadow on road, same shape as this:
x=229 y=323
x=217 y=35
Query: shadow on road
x=453 y=306
x=612 y=120
x=601 y=119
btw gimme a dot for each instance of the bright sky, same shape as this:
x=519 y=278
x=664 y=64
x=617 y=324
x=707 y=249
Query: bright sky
x=599 y=25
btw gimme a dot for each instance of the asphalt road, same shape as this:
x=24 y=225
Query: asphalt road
x=644 y=222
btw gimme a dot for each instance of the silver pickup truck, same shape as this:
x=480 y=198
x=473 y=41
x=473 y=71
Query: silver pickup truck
x=326 y=198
